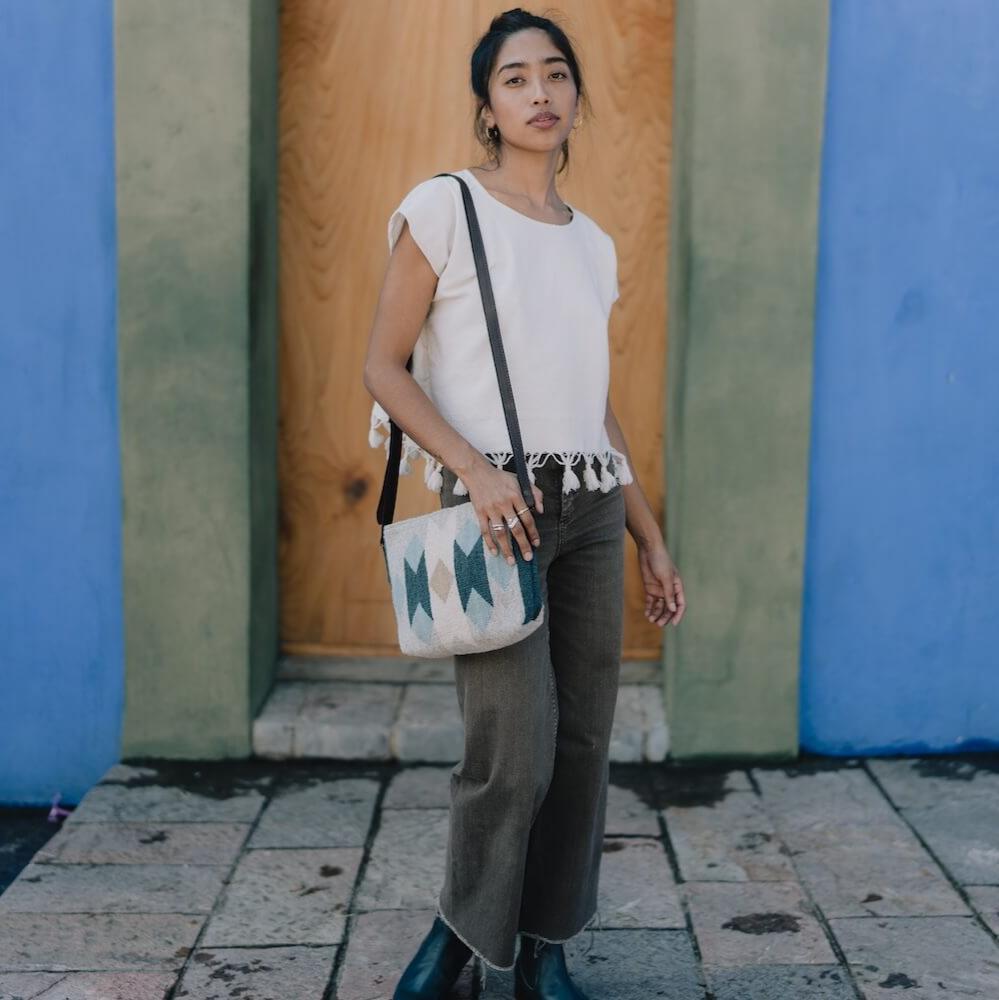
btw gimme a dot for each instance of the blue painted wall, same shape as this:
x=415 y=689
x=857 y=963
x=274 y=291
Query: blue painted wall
x=900 y=647
x=61 y=670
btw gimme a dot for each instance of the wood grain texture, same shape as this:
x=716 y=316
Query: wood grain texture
x=374 y=98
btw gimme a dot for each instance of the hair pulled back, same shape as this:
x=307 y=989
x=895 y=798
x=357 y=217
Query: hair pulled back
x=484 y=59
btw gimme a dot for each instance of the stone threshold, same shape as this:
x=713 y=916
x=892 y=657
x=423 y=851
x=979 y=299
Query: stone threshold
x=384 y=709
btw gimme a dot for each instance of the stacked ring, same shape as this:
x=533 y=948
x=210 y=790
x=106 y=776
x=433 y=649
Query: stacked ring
x=510 y=521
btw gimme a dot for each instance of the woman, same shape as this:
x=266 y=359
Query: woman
x=528 y=799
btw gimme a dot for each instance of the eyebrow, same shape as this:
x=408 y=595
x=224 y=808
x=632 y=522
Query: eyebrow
x=522 y=65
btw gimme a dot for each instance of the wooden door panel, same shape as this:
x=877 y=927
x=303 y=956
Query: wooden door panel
x=375 y=97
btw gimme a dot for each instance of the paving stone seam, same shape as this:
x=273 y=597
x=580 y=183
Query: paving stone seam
x=251 y=827
x=349 y=914
x=906 y=916
x=817 y=912
x=688 y=920
x=56 y=862
x=955 y=885
x=96 y=971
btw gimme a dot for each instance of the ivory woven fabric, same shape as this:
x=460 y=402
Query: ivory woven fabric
x=554 y=287
x=452 y=596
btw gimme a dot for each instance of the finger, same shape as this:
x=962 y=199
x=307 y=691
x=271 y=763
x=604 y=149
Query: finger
x=502 y=536
x=496 y=534
x=667 y=598
x=488 y=541
x=669 y=613
x=519 y=535
x=681 y=601
x=659 y=610
x=530 y=526
x=525 y=515
x=539 y=499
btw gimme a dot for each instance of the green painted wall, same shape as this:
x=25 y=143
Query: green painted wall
x=749 y=93
x=196 y=154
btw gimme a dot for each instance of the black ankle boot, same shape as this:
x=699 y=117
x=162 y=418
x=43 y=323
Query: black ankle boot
x=540 y=973
x=435 y=967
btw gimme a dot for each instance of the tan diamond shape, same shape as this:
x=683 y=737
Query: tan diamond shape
x=441 y=580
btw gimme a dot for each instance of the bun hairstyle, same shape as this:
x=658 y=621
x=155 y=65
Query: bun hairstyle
x=483 y=60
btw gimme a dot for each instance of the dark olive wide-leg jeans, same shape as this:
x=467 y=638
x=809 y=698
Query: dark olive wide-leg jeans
x=529 y=796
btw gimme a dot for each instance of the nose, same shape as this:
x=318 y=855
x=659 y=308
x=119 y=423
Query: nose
x=540 y=93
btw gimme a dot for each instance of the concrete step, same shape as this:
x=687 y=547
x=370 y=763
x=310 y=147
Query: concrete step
x=407 y=710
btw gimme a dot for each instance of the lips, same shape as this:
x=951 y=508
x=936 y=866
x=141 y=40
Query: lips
x=544 y=116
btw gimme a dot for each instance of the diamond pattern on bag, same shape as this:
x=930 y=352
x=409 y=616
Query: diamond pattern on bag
x=500 y=571
x=414 y=551
x=423 y=627
x=478 y=611
x=469 y=533
x=441 y=580
x=417 y=589
x=437 y=616
x=470 y=573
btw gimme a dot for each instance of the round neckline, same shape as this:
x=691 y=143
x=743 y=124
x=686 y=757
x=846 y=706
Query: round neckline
x=464 y=171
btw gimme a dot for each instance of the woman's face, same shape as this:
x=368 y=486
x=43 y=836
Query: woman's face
x=531 y=76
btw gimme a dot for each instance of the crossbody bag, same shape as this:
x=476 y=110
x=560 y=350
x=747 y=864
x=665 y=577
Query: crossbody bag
x=450 y=595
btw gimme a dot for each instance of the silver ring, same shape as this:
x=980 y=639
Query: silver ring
x=495 y=526
x=521 y=511
x=511 y=521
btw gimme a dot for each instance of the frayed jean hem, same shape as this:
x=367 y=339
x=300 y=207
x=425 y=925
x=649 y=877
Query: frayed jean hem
x=485 y=964
x=588 y=925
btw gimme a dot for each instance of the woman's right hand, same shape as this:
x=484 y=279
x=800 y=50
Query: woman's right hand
x=495 y=495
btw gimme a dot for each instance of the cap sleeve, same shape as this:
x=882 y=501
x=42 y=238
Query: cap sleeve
x=430 y=210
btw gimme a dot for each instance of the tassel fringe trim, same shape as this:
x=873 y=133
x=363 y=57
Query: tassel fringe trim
x=614 y=467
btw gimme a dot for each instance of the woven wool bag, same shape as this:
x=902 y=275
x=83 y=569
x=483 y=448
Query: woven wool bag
x=449 y=596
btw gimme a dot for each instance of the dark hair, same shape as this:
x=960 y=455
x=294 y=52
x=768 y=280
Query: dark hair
x=484 y=59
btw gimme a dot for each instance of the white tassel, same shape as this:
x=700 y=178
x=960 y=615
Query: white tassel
x=530 y=474
x=460 y=489
x=590 y=477
x=624 y=475
x=607 y=481
x=374 y=437
x=404 y=467
x=570 y=481
x=435 y=480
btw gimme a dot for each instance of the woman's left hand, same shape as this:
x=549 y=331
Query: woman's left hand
x=664 y=598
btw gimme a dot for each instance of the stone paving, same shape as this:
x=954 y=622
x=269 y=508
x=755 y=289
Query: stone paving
x=406 y=710
x=264 y=880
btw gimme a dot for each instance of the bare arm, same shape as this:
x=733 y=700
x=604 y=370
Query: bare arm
x=664 y=598
x=642 y=523
x=403 y=302
x=407 y=291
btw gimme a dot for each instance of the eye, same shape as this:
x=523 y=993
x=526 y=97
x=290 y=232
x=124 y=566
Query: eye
x=557 y=72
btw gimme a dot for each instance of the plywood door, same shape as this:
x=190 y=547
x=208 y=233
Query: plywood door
x=374 y=97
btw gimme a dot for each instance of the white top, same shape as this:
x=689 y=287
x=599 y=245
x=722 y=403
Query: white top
x=554 y=285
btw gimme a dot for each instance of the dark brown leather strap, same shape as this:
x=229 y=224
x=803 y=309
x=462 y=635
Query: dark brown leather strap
x=390 y=486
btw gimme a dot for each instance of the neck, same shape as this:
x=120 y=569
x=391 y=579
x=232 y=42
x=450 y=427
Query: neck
x=530 y=176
